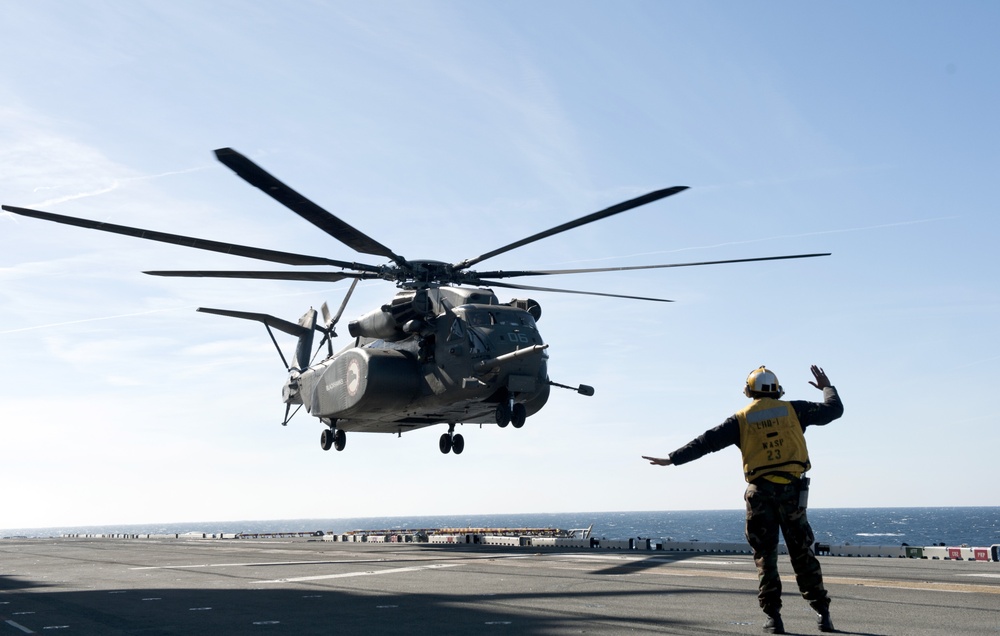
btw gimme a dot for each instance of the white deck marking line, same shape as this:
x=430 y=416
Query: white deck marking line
x=244 y=565
x=19 y=626
x=927 y=586
x=923 y=586
x=633 y=559
x=346 y=575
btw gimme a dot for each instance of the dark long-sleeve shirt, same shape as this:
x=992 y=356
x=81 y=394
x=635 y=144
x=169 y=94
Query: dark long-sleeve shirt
x=728 y=433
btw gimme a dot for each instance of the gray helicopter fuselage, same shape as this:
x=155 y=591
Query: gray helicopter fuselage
x=456 y=369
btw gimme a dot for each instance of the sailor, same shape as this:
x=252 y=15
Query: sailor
x=769 y=432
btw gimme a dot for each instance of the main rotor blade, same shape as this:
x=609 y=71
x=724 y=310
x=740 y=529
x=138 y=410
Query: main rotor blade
x=590 y=218
x=323 y=277
x=343 y=304
x=258 y=253
x=494 y=283
x=283 y=194
x=546 y=272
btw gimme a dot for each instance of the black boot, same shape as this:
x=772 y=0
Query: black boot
x=824 y=622
x=773 y=624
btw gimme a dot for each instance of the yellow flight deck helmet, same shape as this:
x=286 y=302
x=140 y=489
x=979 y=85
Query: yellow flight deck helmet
x=763 y=383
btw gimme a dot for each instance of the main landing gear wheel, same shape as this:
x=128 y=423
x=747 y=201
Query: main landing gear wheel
x=333 y=438
x=450 y=442
x=510 y=413
x=503 y=414
x=518 y=415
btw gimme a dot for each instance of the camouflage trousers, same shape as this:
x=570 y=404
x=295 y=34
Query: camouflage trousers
x=770 y=507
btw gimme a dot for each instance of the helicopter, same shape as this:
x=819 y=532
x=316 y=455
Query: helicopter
x=444 y=350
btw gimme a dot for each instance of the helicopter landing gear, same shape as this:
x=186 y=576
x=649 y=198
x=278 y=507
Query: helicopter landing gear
x=450 y=442
x=333 y=438
x=518 y=415
x=510 y=412
x=503 y=414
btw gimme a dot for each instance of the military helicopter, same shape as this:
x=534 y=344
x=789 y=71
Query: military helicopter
x=444 y=350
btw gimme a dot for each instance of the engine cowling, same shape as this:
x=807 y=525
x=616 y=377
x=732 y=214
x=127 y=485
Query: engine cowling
x=386 y=322
x=529 y=305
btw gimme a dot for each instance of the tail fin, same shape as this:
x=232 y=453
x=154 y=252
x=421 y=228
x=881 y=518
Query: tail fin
x=304 y=330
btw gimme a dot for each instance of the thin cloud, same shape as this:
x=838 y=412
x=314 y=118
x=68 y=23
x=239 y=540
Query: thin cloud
x=114 y=186
x=85 y=320
x=157 y=311
x=777 y=237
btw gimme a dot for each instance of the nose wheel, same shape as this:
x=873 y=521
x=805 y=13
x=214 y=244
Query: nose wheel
x=451 y=442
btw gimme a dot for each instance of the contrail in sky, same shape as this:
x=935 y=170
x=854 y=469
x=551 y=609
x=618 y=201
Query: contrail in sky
x=83 y=320
x=81 y=195
x=779 y=236
x=114 y=186
x=154 y=311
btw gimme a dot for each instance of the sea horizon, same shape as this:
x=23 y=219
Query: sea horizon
x=930 y=525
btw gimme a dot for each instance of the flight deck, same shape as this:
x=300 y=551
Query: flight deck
x=175 y=586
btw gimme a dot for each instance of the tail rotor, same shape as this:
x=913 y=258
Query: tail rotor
x=330 y=322
x=304 y=330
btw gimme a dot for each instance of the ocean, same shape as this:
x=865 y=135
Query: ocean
x=972 y=526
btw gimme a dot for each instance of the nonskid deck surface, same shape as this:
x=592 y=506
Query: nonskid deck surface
x=296 y=586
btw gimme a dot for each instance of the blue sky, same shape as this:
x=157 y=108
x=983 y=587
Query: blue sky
x=447 y=129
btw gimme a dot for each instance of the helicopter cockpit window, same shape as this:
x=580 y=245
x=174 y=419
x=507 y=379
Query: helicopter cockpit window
x=477 y=342
x=480 y=318
x=474 y=326
x=526 y=320
x=484 y=318
x=457 y=330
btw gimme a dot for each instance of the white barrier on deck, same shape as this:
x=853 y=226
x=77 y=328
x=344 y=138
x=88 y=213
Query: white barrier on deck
x=704 y=546
x=490 y=539
x=867 y=551
x=961 y=553
x=944 y=553
x=559 y=542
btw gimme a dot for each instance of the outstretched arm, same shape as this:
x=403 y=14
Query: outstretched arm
x=723 y=435
x=658 y=461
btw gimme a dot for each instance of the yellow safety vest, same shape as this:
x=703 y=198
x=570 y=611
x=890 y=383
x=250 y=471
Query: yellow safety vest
x=771 y=440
